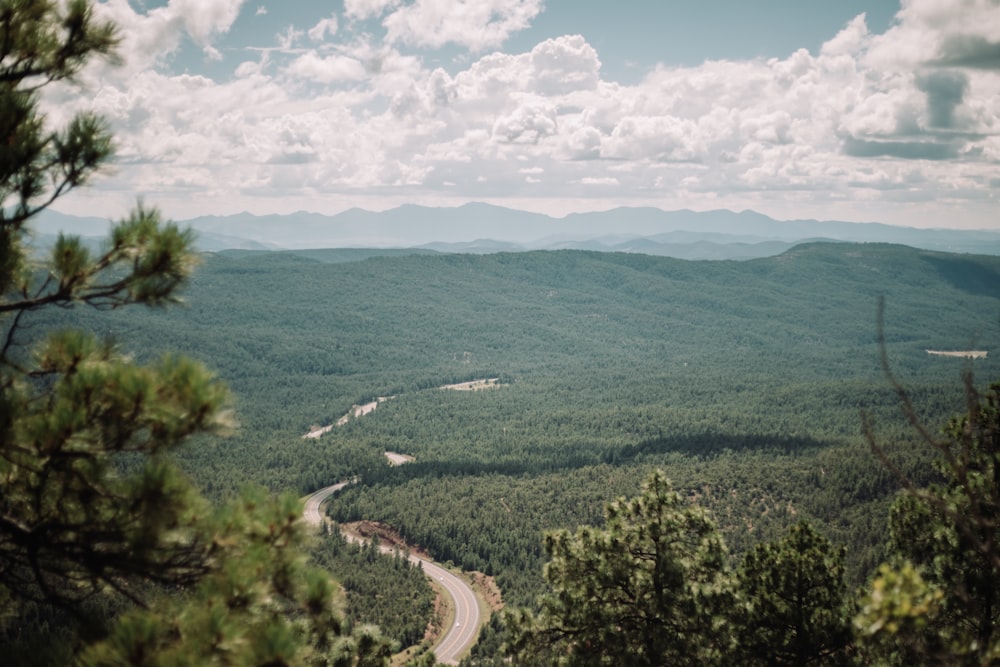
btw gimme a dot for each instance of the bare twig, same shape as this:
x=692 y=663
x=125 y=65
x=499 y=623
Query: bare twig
x=961 y=460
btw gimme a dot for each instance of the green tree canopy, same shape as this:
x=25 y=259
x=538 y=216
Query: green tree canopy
x=91 y=506
x=794 y=606
x=648 y=589
x=940 y=596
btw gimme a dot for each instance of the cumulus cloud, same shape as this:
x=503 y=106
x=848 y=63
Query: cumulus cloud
x=329 y=69
x=852 y=39
x=526 y=124
x=474 y=24
x=582 y=143
x=664 y=138
x=149 y=37
x=773 y=128
x=915 y=109
x=959 y=32
x=565 y=64
x=945 y=91
x=927 y=76
x=969 y=51
x=555 y=67
x=205 y=18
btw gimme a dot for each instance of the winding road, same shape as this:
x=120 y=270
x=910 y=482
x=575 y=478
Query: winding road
x=459 y=637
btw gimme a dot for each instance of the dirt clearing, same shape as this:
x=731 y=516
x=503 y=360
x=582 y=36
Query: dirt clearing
x=965 y=354
x=474 y=385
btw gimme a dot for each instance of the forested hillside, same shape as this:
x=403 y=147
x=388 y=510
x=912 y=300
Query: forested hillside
x=744 y=381
x=656 y=461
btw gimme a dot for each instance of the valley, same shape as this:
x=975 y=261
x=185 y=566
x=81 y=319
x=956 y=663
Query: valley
x=744 y=381
x=482 y=346
x=465 y=619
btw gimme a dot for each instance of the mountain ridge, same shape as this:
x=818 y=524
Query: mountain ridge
x=483 y=228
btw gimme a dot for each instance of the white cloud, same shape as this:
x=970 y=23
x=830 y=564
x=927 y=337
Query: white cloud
x=330 y=69
x=772 y=128
x=659 y=138
x=527 y=124
x=475 y=24
x=926 y=30
x=247 y=68
x=288 y=37
x=867 y=120
x=205 y=18
x=363 y=9
x=555 y=68
x=564 y=65
x=148 y=37
x=849 y=41
x=324 y=27
x=579 y=140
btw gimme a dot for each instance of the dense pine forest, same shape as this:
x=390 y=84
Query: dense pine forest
x=646 y=461
x=744 y=381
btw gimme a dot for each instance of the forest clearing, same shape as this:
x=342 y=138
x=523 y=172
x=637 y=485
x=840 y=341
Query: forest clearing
x=354 y=413
x=361 y=410
x=965 y=354
x=473 y=385
x=397 y=459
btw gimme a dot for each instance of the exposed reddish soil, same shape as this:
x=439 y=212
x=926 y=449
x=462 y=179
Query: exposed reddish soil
x=487 y=587
x=387 y=535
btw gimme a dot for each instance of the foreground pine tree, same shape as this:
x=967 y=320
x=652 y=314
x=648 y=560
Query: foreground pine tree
x=794 y=607
x=648 y=589
x=938 y=600
x=78 y=535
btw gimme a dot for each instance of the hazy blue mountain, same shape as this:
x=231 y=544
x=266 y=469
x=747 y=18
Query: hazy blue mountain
x=331 y=255
x=50 y=223
x=210 y=242
x=483 y=228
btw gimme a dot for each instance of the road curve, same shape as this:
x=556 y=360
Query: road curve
x=463 y=633
x=314 y=500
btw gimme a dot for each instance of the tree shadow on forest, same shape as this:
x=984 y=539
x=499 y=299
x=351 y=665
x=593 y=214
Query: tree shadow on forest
x=710 y=445
x=697 y=446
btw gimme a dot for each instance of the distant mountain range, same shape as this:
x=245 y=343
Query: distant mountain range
x=484 y=228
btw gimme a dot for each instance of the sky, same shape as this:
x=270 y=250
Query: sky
x=877 y=110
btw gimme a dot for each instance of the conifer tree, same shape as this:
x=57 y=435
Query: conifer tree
x=794 y=605
x=938 y=600
x=91 y=506
x=648 y=589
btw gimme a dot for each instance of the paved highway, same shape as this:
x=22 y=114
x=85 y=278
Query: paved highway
x=458 y=638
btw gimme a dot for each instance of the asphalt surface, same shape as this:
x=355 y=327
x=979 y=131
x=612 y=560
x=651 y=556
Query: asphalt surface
x=314 y=500
x=462 y=635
